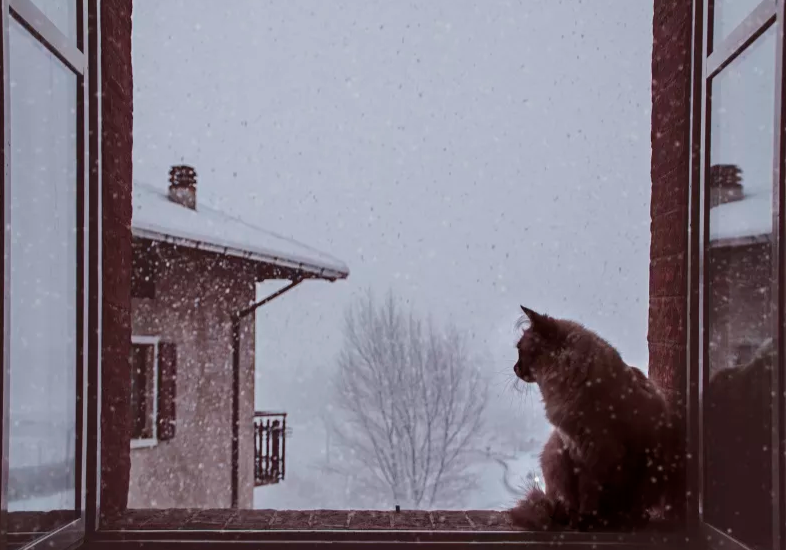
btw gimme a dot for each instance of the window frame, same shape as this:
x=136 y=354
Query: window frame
x=148 y=442
x=174 y=534
x=124 y=534
x=73 y=53
x=708 y=61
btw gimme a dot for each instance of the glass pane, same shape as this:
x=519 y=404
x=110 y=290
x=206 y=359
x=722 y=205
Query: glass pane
x=728 y=14
x=738 y=404
x=43 y=280
x=62 y=13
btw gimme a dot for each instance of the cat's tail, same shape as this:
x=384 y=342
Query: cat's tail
x=538 y=512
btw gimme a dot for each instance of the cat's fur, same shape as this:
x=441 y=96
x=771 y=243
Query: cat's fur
x=613 y=455
x=738 y=436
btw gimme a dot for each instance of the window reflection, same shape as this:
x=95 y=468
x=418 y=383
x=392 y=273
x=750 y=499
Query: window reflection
x=43 y=256
x=738 y=407
x=727 y=14
x=62 y=13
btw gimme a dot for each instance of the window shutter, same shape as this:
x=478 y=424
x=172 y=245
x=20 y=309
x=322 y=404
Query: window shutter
x=167 y=386
x=144 y=269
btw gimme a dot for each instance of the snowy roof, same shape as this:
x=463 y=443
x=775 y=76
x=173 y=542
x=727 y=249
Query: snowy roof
x=749 y=217
x=157 y=218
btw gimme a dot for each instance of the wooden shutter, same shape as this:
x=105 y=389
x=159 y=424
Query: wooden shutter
x=144 y=269
x=167 y=390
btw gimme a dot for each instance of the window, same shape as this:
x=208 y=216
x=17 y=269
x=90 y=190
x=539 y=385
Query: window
x=741 y=364
x=144 y=390
x=144 y=270
x=43 y=271
x=729 y=15
x=153 y=391
x=741 y=297
x=47 y=228
x=458 y=158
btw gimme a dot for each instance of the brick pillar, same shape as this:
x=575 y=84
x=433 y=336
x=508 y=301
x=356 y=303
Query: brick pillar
x=116 y=133
x=671 y=87
x=667 y=337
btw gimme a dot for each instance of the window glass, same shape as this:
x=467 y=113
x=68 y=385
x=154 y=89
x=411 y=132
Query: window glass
x=62 y=13
x=43 y=290
x=727 y=14
x=738 y=396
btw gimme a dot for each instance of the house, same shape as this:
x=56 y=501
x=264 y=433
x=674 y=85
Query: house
x=739 y=268
x=193 y=288
x=739 y=351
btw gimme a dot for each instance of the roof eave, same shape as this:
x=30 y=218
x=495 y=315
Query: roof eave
x=746 y=240
x=312 y=271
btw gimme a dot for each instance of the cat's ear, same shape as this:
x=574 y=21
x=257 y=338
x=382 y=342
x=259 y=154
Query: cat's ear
x=533 y=316
x=542 y=324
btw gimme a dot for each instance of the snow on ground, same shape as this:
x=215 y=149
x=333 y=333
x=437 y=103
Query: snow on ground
x=309 y=485
x=58 y=501
x=305 y=489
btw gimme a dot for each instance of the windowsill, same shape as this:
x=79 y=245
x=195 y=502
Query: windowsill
x=280 y=525
x=228 y=519
x=25 y=527
x=143 y=443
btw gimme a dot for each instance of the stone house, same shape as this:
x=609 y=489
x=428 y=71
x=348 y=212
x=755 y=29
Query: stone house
x=194 y=272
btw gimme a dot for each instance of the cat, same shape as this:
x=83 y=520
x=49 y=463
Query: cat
x=612 y=459
x=738 y=433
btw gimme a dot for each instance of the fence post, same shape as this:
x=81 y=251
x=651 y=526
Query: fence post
x=283 y=447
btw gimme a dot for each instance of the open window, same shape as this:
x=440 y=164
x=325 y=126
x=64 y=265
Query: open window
x=738 y=114
x=49 y=271
x=220 y=237
x=116 y=439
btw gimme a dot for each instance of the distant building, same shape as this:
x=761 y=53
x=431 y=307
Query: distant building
x=194 y=273
x=737 y=405
x=740 y=269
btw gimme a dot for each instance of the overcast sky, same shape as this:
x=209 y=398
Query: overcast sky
x=469 y=155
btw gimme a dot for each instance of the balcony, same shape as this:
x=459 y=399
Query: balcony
x=270 y=433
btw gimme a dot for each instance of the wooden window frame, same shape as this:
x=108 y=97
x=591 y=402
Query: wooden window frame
x=200 y=530
x=73 y=52
x=706 y=62
x=709 y=60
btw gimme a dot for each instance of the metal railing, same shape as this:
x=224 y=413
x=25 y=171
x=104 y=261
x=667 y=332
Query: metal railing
x=270 y=447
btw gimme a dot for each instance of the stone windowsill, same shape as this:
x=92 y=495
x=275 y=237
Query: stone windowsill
x=228 y=520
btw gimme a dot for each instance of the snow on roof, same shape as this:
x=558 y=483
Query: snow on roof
x=157 y=218
x=749 y=217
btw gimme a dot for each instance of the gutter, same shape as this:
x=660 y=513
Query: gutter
x=236 y=318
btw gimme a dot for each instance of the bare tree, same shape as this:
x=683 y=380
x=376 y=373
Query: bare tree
x=413 y=405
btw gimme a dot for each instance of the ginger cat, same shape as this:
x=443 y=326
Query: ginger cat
x=612 y=460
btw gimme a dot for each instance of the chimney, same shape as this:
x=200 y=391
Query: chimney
x=725 y=184
x=182 y=186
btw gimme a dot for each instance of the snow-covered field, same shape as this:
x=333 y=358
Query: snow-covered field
x=60 y=501
x=306 y=488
